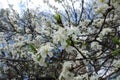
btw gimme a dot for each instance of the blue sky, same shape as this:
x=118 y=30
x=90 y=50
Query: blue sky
x=22 y=4
x=33 y=4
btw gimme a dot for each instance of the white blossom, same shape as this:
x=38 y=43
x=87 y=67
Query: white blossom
x=60 y=35
x=78 y=78
x=71 y=30
x=105 y=31
x=45 y=50
x=66 y=74
x=94 y=77
x=69 y=49
x=116 y=64
x=96 y=46
x=42 y=62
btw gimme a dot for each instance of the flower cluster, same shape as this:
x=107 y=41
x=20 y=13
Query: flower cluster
x=72 y=45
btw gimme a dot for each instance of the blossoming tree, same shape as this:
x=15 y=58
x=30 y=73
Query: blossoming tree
x=81 y=42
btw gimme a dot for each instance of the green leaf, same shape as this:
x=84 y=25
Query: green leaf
x=58 y=19
x=39 y=58
x=116 y=41
x=1 y=68
x=33 y=49
x=116 y=52
x=102 y=1
x=68 y=41
x=76 y=42
x=113 y=1
x=84 y=43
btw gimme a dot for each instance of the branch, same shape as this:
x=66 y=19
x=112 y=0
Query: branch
x=15 y=60
x=81 y=12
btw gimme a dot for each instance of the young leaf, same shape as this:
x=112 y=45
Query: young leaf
x=102 y=1
x=116 y=41
x=58 y=19
x=32 y=48
x=116 y=52
x=1 y=68
x=84 y=44
x=68 y=41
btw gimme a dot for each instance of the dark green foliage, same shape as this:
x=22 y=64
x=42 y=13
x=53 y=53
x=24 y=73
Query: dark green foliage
x=116 y=52
x=116 y=41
